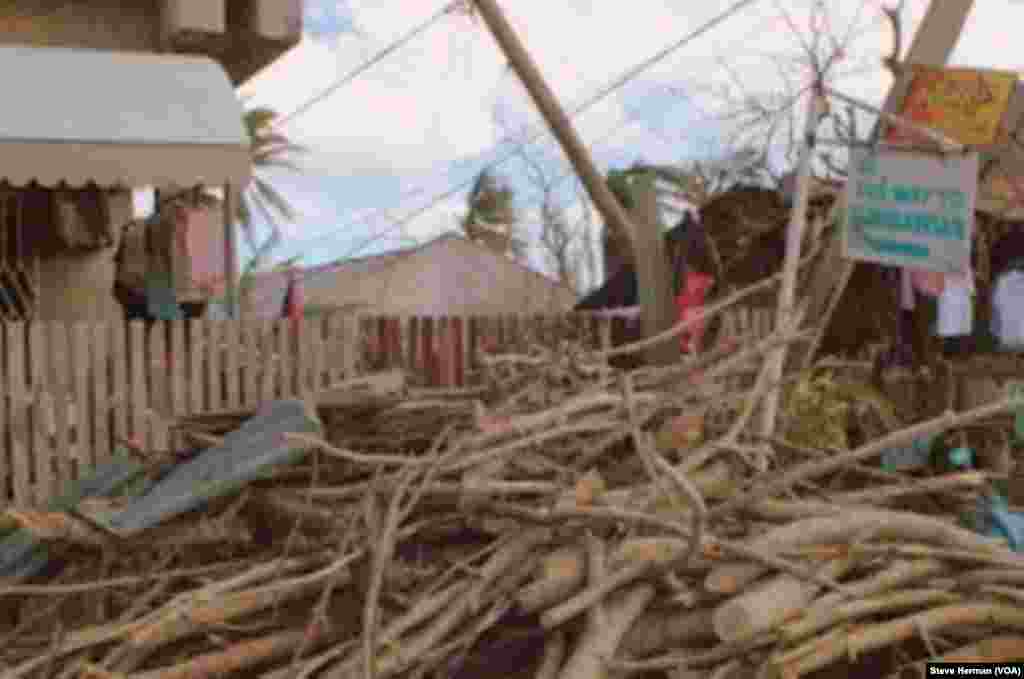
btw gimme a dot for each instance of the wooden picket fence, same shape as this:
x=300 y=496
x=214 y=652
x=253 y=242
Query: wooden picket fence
x=76 y=391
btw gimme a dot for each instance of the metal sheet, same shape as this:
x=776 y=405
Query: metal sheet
x=119 y=119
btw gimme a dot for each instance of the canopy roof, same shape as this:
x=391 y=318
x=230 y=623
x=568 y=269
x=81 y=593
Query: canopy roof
x=119 y=119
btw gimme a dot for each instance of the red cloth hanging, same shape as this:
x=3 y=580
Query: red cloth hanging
x=689 y=303
x=931 y=283
x=201 y=241
x=293 y=301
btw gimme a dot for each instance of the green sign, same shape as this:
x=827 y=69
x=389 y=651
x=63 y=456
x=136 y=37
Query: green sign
x=910 y=209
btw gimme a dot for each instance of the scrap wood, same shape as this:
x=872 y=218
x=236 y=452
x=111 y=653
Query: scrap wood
x=538 y=522
x=59 y=527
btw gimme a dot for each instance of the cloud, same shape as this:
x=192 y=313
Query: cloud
x=327 y=20
x=425 y=116
x=434 y=99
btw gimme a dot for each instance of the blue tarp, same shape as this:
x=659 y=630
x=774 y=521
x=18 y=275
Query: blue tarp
x=21 y=555
x=245 y=455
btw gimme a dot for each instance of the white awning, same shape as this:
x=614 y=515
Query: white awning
x=119 y=119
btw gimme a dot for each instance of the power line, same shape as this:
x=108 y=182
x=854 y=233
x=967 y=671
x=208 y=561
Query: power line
x=615 y=85
x=412 y=216
x=434 y=202
x=398 y=224
x=369 y=63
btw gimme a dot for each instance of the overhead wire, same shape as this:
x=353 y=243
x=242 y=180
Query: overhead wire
x=453 y=190
x=558 y=181
x=629 y=75
x=352 y=75
x=366 y=65
x=447 y=9
x=363 y=244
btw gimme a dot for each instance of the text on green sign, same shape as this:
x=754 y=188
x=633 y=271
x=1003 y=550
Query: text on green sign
x=912 y=222
x=952 y=199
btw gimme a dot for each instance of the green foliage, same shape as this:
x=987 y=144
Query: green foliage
x=618 y=184
x=269 y=149
x=819 y=409
x=491 y=218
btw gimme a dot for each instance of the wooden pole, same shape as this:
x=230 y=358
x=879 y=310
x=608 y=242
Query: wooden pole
x=547 y=103
x=230 y=254
x=934 y=41
x=791 y=264
x=657 y=306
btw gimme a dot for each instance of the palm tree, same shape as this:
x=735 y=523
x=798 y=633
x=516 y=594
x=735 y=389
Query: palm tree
x=491 y=218
x=270 y=150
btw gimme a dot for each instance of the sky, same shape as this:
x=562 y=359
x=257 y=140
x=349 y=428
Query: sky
x=414 y=128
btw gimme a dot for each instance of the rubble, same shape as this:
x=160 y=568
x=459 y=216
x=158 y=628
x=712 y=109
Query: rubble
x=566 y=521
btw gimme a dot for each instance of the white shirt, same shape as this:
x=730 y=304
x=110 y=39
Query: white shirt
x=956 y=306
x=1008 y=309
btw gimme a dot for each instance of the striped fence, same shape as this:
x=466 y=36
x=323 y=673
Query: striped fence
x=75 y=391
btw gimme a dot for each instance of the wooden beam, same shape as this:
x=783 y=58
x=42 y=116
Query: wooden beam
x=655 y=297
x=791 y=265
x=547 y=103
x=192 y=19
x=276 y=19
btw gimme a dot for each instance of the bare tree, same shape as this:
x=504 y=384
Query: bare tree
x=768 y=119
x=567 y=243
x=561 y=240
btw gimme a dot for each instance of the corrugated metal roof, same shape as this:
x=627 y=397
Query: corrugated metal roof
x=119 y=118
x=268 y=287
x=117 y=97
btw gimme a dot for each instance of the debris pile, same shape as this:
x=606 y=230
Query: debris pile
x=565 y=520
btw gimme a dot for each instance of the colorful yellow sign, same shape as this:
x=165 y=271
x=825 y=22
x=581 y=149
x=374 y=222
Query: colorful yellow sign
x=1006 y=191
x=966 y=105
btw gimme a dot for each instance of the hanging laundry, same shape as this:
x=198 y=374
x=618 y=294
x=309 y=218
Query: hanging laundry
x=956 y=306
x=908 y=301
x=930 y=283
x=1008 y=250
x=690 y=303
x=292 y=307
x=900 y=353
x=203 y=246
x=217 y=310
x=131 y=258
x=1008 y=309
x=81 y=217
x=161 y=298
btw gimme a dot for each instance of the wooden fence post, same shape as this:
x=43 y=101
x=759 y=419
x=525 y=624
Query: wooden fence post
x=430 y=362
x=100 y=402
x=413 y=345
x=117 y=333
x=196 y=340
x=24 y=492
x=158 y=400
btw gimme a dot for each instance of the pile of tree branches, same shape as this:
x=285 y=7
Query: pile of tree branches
x=566 y=520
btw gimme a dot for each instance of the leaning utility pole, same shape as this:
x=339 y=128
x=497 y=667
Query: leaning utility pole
x=655 y=308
